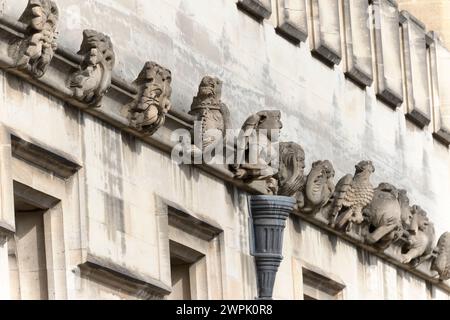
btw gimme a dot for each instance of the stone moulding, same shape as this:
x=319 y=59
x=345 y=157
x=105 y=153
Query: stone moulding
x=416 y=73
x=358 y=42
x=260 y=9
x=387 y=52
x=269 y=215
x=292 y=19
x=326 y=38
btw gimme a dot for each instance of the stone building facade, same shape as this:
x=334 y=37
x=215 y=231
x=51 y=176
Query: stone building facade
x=92 y=205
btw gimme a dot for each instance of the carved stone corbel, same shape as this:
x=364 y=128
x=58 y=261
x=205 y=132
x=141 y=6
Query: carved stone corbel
x=148 y=112
x=441 y=262
x=290 y=176
x=211 y=112
x=35 y=52
x=257 y=150
x=352 y=195
x=384 y=216
x=420 y=240
x=319 y=187
x=92 y=81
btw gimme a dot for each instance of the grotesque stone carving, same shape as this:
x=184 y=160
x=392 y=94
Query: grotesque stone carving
x=93 y=80
x=291 y=175
x=319 y=187
x=257 y=154
x=211 y=112
x=441 y=262
x=419 y=246
x=148 y=112
x=35 y=52
x=383 y=216
x=351 y=196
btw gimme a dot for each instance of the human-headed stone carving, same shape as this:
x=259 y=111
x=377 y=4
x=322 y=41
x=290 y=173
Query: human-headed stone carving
x=290 y=176
x=93 y=80
x=419 y=246
x=148 y=112
x=319 y=187
x=351 y=196
x=211 y=112
x=383 y=216
x=35 y=52
x=257 y=149
x=441 y=262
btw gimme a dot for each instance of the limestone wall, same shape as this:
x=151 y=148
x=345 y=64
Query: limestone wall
x=115 y=205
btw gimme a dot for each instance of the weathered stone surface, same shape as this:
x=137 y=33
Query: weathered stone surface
x=211 y=112
x=292 y=19
x=420 y=241
x=35 y=52
x=326 y=30
x=441 y=263
x=91 y=82
x=290 y=176
x=440 y=61
x=257 y=154
x=358 y=42
x=383 y=216
x=148 y=112
x=261 y=9
x=319 y=187
x=416 y=71
x=387 y=52
x=352 y=195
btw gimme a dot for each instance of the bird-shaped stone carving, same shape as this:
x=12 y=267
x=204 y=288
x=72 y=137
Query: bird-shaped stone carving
x=351 y=196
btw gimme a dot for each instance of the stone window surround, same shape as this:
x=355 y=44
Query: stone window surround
x=197 y=241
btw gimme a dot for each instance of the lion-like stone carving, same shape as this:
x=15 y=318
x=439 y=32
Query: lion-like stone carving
x=147 y=114
x=419 y=245
x=441 y=262
x=319 y=187
x=290 y=176
x=352 y=195
x=211 y=112
x=93 y=80
x=257 y=149
x=384 y=216
x=35 y=52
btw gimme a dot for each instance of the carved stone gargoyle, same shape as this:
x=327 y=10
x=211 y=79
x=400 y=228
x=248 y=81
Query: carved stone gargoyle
x=419 y=242
x=148 y=113
x=319 y=187
x=352 y=195
x=93 y=80
x=257 y=150
x=441 y=261
x=213 y=114
x=384 y=216
x=35 y=52
x=291 y=179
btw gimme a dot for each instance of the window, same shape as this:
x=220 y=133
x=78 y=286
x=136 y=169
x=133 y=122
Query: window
x=311 y=283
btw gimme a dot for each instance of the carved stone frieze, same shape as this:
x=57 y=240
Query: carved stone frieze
x=92 y=81
x=35 y=52
x=441 y=263
x=213 y=114
x=257 y=149
x=384 y=216
x=148 y=112
x=352 y=195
